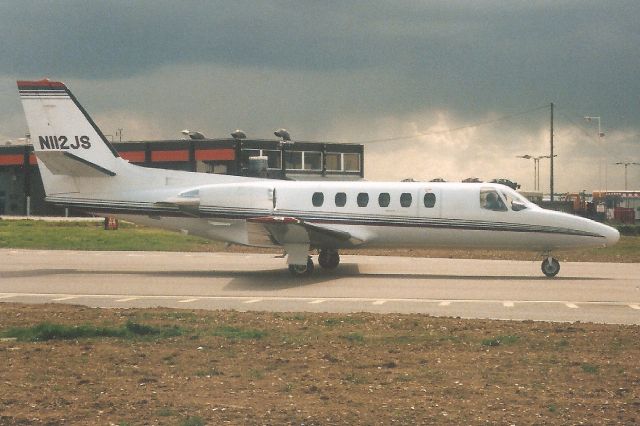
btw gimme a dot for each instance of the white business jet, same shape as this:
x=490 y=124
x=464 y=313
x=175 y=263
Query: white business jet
x=81 y=169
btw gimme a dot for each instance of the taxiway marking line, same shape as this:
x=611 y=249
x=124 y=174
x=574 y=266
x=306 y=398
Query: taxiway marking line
x=128 y=299
x=252 y=301
x=571 y=305
x=508 y=304
x=60 y=299
x=192 y=298
x=379 y=302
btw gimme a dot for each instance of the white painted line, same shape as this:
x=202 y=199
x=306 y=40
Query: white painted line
x=379 y=302
x=60 y=299
x=6 y=296
x=188 y=300
x=128 y=299
x=507 y=304
x=571 y=305
x=445 y=303
x=252 y=301
x=315 y=302
x=636 y=307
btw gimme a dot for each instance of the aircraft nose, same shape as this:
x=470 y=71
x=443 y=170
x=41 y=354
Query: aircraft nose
x=612 y=235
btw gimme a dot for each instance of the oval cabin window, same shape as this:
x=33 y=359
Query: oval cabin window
x=384 y=199
x=405 y=199
x=317 y=199
x=363 y=199
x=429 y=200
x=341 y=199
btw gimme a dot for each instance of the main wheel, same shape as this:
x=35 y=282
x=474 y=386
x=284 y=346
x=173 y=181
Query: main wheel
x=550 y=267
x=329 y=259
x=302 y=270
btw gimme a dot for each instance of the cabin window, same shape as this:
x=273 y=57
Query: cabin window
x=341 y=199
x=405 y=199
x=317 y=199
x=490 y=200
x=384 y=199
x=363 y=199
x=429 y=200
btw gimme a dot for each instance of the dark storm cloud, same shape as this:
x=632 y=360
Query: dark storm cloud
x=346 y=71
x=465 y=55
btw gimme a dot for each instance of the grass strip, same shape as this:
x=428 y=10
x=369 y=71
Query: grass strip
x=50 y=331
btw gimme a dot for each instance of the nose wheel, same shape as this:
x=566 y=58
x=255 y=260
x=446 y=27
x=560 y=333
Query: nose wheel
x=550 y=267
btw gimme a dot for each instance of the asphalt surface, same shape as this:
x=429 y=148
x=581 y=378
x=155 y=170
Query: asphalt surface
x=494 y=289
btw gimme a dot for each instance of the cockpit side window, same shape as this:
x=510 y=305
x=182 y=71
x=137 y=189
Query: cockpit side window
x=490 y=200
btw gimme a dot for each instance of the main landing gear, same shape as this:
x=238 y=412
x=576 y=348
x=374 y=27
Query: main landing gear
x=550 y=267
x=328 y=259
x=302 y=270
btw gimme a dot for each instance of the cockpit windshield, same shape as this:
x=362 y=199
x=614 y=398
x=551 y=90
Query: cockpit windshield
x=514 y=200
x=493 y=199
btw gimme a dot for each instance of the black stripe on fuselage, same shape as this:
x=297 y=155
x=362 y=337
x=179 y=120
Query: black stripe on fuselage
x=150 y=209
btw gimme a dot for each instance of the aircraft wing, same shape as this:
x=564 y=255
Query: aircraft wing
x=290 y=230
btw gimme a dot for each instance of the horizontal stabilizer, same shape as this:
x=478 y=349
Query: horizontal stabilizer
x=65 y=163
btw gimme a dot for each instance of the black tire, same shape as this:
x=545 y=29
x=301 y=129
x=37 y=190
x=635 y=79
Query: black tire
x=550 y=267
x=329 y=259
x=302 y=270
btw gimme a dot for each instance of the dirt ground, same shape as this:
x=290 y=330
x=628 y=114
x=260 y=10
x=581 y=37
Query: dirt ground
x=302 y=368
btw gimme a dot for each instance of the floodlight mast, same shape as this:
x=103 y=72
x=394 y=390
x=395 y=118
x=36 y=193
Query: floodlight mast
x=589 y=119
x=536 y=167
x=626 y=164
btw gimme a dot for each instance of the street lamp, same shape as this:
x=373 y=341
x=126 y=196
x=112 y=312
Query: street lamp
x=626 y=164
x=536 y=167
x=600 y=137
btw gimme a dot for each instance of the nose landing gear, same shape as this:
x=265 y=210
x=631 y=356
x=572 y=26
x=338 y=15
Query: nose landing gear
x=550 y=267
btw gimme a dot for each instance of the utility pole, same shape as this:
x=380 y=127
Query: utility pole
x=551 y=159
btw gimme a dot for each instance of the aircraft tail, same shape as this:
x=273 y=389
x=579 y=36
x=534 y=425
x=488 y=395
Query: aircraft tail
x=66 y=141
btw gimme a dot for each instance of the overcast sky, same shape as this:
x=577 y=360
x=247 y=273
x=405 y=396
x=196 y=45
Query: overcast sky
x=402 y=73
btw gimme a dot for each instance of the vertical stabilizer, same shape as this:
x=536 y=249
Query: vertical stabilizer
x=65 y=139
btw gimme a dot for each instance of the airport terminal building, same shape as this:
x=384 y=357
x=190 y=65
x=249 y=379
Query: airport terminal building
x=22 y=193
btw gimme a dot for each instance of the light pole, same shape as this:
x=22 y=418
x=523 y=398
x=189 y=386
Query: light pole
x=626 y=164
x=536 y=167
x=600 y=138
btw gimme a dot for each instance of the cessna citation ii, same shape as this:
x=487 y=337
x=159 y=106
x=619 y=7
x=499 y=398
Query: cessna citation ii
x=81 y=169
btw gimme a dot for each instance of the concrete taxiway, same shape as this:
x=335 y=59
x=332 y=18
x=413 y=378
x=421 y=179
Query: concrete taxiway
x=498 y=289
